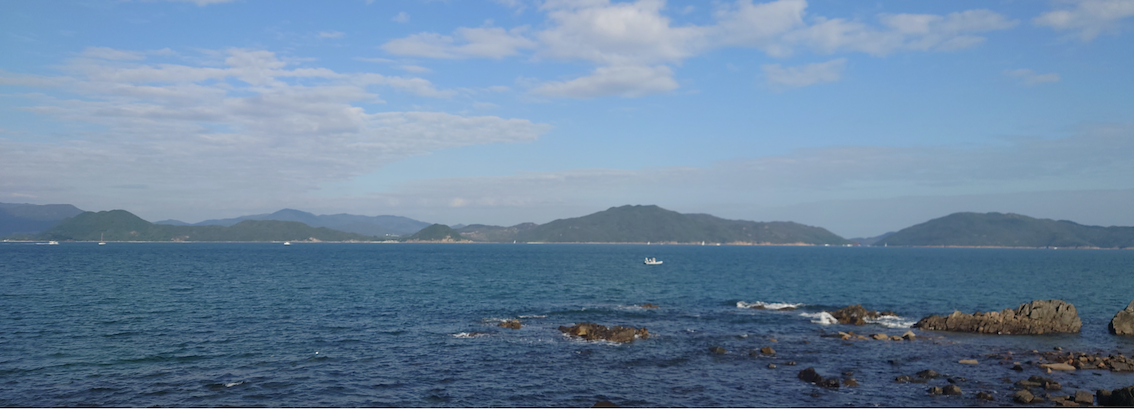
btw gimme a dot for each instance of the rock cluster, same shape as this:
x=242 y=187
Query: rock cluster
x=513 y=324
x=1036 y=317
x=1117 y=397
x=857 y=314
x=595 y=332
x=1070 y=360
x=1123 y=322
x=850 y=335
x=649 y=306
x=809 y=375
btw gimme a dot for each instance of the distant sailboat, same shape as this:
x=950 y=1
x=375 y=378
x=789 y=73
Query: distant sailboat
x=101 y=241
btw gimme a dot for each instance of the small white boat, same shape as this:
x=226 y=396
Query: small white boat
x=53 y=242
x=287 y=243
x=652 y=261
x=101 y=242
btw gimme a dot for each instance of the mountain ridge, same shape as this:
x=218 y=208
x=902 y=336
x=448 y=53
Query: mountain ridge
x=969 y=229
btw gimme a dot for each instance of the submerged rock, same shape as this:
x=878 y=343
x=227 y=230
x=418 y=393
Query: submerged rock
x=513 y=324
x=952 y=389
x=1036 y=317
x=857 y=314
x=595 y=332
x=1117 y=397
x=984 y=396
x=649 y=306
x=1123 y=321
x=767 y=351
x=718 y=350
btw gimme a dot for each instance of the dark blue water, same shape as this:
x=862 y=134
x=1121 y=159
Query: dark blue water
x=131 y=324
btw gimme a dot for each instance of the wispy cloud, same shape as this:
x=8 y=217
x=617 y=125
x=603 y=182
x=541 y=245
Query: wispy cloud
x=1029 y=77
x=803 y=76
x=330 y=34
x=402 y=17
x=1089 y=18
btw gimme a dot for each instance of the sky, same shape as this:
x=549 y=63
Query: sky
x=862 y=117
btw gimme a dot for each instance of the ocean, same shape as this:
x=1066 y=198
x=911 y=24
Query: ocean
x=348 y=325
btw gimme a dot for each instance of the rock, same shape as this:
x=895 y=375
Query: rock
x=1084 y=398
x=935 y=390
x=880 y=336
x=1017 y=367
x=984 y=396
x=1117 y=397
x=850 y=382
x=809 y=375
x=1036 y=317
x=968 y=362
x=952 y=389
x=928 y=374
x=786 y=309
x=717 y=350
x=909 y=336
x=771 y=366
x=594 y=332
x=857 y=314
x=1023 y=396
x=789 y=363
x=903 y=379
x=832 y=383
x=1121 y=367
x=513 y=324
x=767 y=351
x=648 y=305
x=605 y=404
x=1123 y=321
x=895 y=338
x=1059 y=366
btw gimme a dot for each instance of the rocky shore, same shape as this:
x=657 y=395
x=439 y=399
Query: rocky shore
x=1033 y=318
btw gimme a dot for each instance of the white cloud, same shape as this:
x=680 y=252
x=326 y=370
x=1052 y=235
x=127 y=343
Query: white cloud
x=1088 y=18
x=910 y=32
x=402 y=17
x=330 y=34
x=242 y=128
x=623 y=81
x=415 y=69
x=487 y=42
x=1029 y=77
x=104 y=53
x=617 y=34
x=809 y=74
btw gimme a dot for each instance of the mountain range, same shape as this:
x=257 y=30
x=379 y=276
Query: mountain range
x=381 y=226
x=624 y=224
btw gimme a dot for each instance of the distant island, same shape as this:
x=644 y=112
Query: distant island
x=1008 y=230
x=623 y=224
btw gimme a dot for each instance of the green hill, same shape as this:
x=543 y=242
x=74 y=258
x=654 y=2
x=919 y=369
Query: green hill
x=1008 y=230
x=120 y=225
x=437 y=232
x=639 y=224
x=24 y=218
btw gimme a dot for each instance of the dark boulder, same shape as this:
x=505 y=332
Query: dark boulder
x=857 y=314
x=809 y=375
x=595 y=332
x=717 y=350
x=1023 y=396
x=1117 y=397
x=903 y=379
x=952 y=389
x=984 y=396
x=1123 y=321
x=935 y=390
x=605 y=404
x=1036 y=317
x=513 y=324
x=928 y=374
x=767 y=351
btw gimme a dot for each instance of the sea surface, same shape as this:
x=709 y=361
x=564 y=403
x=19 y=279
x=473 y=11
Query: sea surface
x=322 y=324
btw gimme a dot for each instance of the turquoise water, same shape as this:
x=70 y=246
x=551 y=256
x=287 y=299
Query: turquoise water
x=176 y=324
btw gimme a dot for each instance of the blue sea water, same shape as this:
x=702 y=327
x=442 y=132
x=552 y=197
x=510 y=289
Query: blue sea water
x=321 y=324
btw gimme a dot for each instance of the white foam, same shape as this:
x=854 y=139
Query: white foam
x=891 y=321
x=231 y=384
x=468 y=334
x=822 y=318
x=769 y=305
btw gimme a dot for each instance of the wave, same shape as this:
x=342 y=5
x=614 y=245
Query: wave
x=231 y=384
x=822 y=318
x=891 y=321
x=768 y=305
x=469 y=334
x=532 y=316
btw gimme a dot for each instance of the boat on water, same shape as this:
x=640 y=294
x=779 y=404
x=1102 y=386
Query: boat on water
x=652 y=261
x=101 y=241
x=53 y=242
x=287 y=243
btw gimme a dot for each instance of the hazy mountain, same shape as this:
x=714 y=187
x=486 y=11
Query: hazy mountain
x=499 y=234
x=29 y=218
x=639 y=224
x=869 y=241
x=365 y=225
x=1008 y=230
x=172 y=222
x=436 y=232
x=120 y=225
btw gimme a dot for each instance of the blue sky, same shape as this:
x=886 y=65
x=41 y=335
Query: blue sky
x=861 y=117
